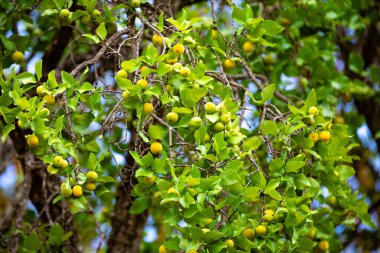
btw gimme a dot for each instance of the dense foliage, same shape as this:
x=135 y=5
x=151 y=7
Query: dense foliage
x=221 y=122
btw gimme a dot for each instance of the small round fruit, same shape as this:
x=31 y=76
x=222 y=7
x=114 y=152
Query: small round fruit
x=207 y=137
x=171 y=60
x=314 y=137
x=41 y=91
x=230 y=243
x=332 y=201
x=172 y=190
x=122 y=73
x=248 y=47
x=156 y=148
x=214 y=34
x=147 y=108
x=313 y=110
x=65 y=192
x=17 y=57
x=268 y=218
x=225 y=118
x=125 y=95
x=142 y=83
x=249 y=233
x=323 y=245
x=150 y=180
x=95 y=14
x=91 y=176
x=21 y=124
x=51 y=169
x=90 y=186
x=192 y=251
x=157 y=40
x=269 y=59
x=325 y=136
x=184 y=72
x=177 y=66
x=49 y=99
x=179 y=49
x=86 y=19
x=268 y=211
x=58 y=161
x=64 y=14
x=32 y=141
x=162 y=249
x=195 y=121
x=135 y=3
x=77 y=190
x=72 y=181
x=172 y=117
x=210 y=107
x=310 y=234
x=219 y=127
x=44 y=113
x=228 y=64
x=304 y=81
x=168 y=88
x=261 y=230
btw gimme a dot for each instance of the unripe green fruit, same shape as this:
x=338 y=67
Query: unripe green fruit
x=125 y=95
x=268 y=218
x=64 y=14
x=44 y=113
x=249 y=233
x=122 y=73
x=41 y=91
x=18 y=57
x=86 y=19
x=95 y=14
x=66 y=193
x=225 y=118
x=332 y=201
x=135 y=3
x=310 y=234
x=172 y=117
x=230 y=243
x=195 y=121
x=92 y=176
x=210 y=107
x=218 y=127
x=89 y=186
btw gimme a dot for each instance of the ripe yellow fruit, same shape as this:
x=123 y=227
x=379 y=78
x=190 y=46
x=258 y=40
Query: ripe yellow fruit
x=171 y=61
x=172 y=117
x=157 y=40
x=314 y=137
x=58 y=162
x=21 y=124
x=49 y=99
x=92 y=176
x=323 y=245
x=261 y=230
x=90 y=186
x=17 y=57
x=248 y=47
x=230 y=243
x=210 y=107
x=214 y=34
x=219 y=127
x=207 y=137
x=228 y=64
x=325 y=136
x=162 y=249
x=51 y=169
x=41 y=91
x=150 y=180
x=142 y=83
x=77 y=190
x=156 y=148
x=310 y=234
x=122 y=73
x=268 y=218
x=172 y=190
x=125 y=95
x=192 y=251
x=147 y=108
x=95 y=14
x=32 y=141
x=135 y=3
x=249 y=233
x=313 y=110
x=177 y=66
x=184 y=71
x=179 y=49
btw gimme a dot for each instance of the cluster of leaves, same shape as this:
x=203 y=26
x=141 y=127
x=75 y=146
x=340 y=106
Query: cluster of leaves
x=207 y=179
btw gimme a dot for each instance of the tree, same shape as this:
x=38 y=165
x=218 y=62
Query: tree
x=226 y=129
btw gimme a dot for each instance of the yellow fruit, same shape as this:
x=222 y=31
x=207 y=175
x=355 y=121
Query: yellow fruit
x=177 y=66
x=77 y=190
x=268 y=211
x=95 y=14
x=248 y=47
x=179 y=49
x=310 y=234
x=269 y=59
x=195 y=121
x=285 y=22
x=162 y=249
x=268 y=218
x=339 y=120
x=156 y=148
x=64 y=13
x=21 y=124
x=147 y=108
x=192 y=251
x=313 y=110
x=122 y=73
x=157 y=40
x=58 y=161
x=207 y=137
x=51 y=169
x=184 y=71
x=219 y=127
x=150 y=180
x=171 y=61
x=172 y=190
x=142 y=83
x=261 y=230
x=314 y=137
x=225 y=118
x=228 y=64
x=92 y=176
x=89 y=186
x=230 y=243
x=49 y=99
x=125 y=94
x=86 y=19
x=210 y=107
x=323 y=245
x=214 y=34
x=205 y=230
x=135 y=3
x=41 y=91
x=168 y=88
x=208 y=221
x=32 y=141
x=172 y=117
x=249 y=233
x=17 y=57
x=325 y=136
x=142 y=68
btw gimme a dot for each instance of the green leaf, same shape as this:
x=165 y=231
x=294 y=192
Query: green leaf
x=230 y=177
x=26 y=78
x=267 y=93
x=238 y=15
x=7 y=129
x=58 y=126
x=131 y=65
x=301 y=181
x=155 y=132
x=294 y=166
x=91 y=162
x=355 y=62
x=136 y=156
x=252 y=143
x=163 y=68
x=92 y=146
x=123 y=83
x=311 y=99
x=38 y=69
x=187 y=200
x=271 y=27
x=86 y=86
x=268 y=127
x=151 y=54
x=92 y=37
x=189 y=97
x=251 y=194
x=101 y=31
x=182 y=110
